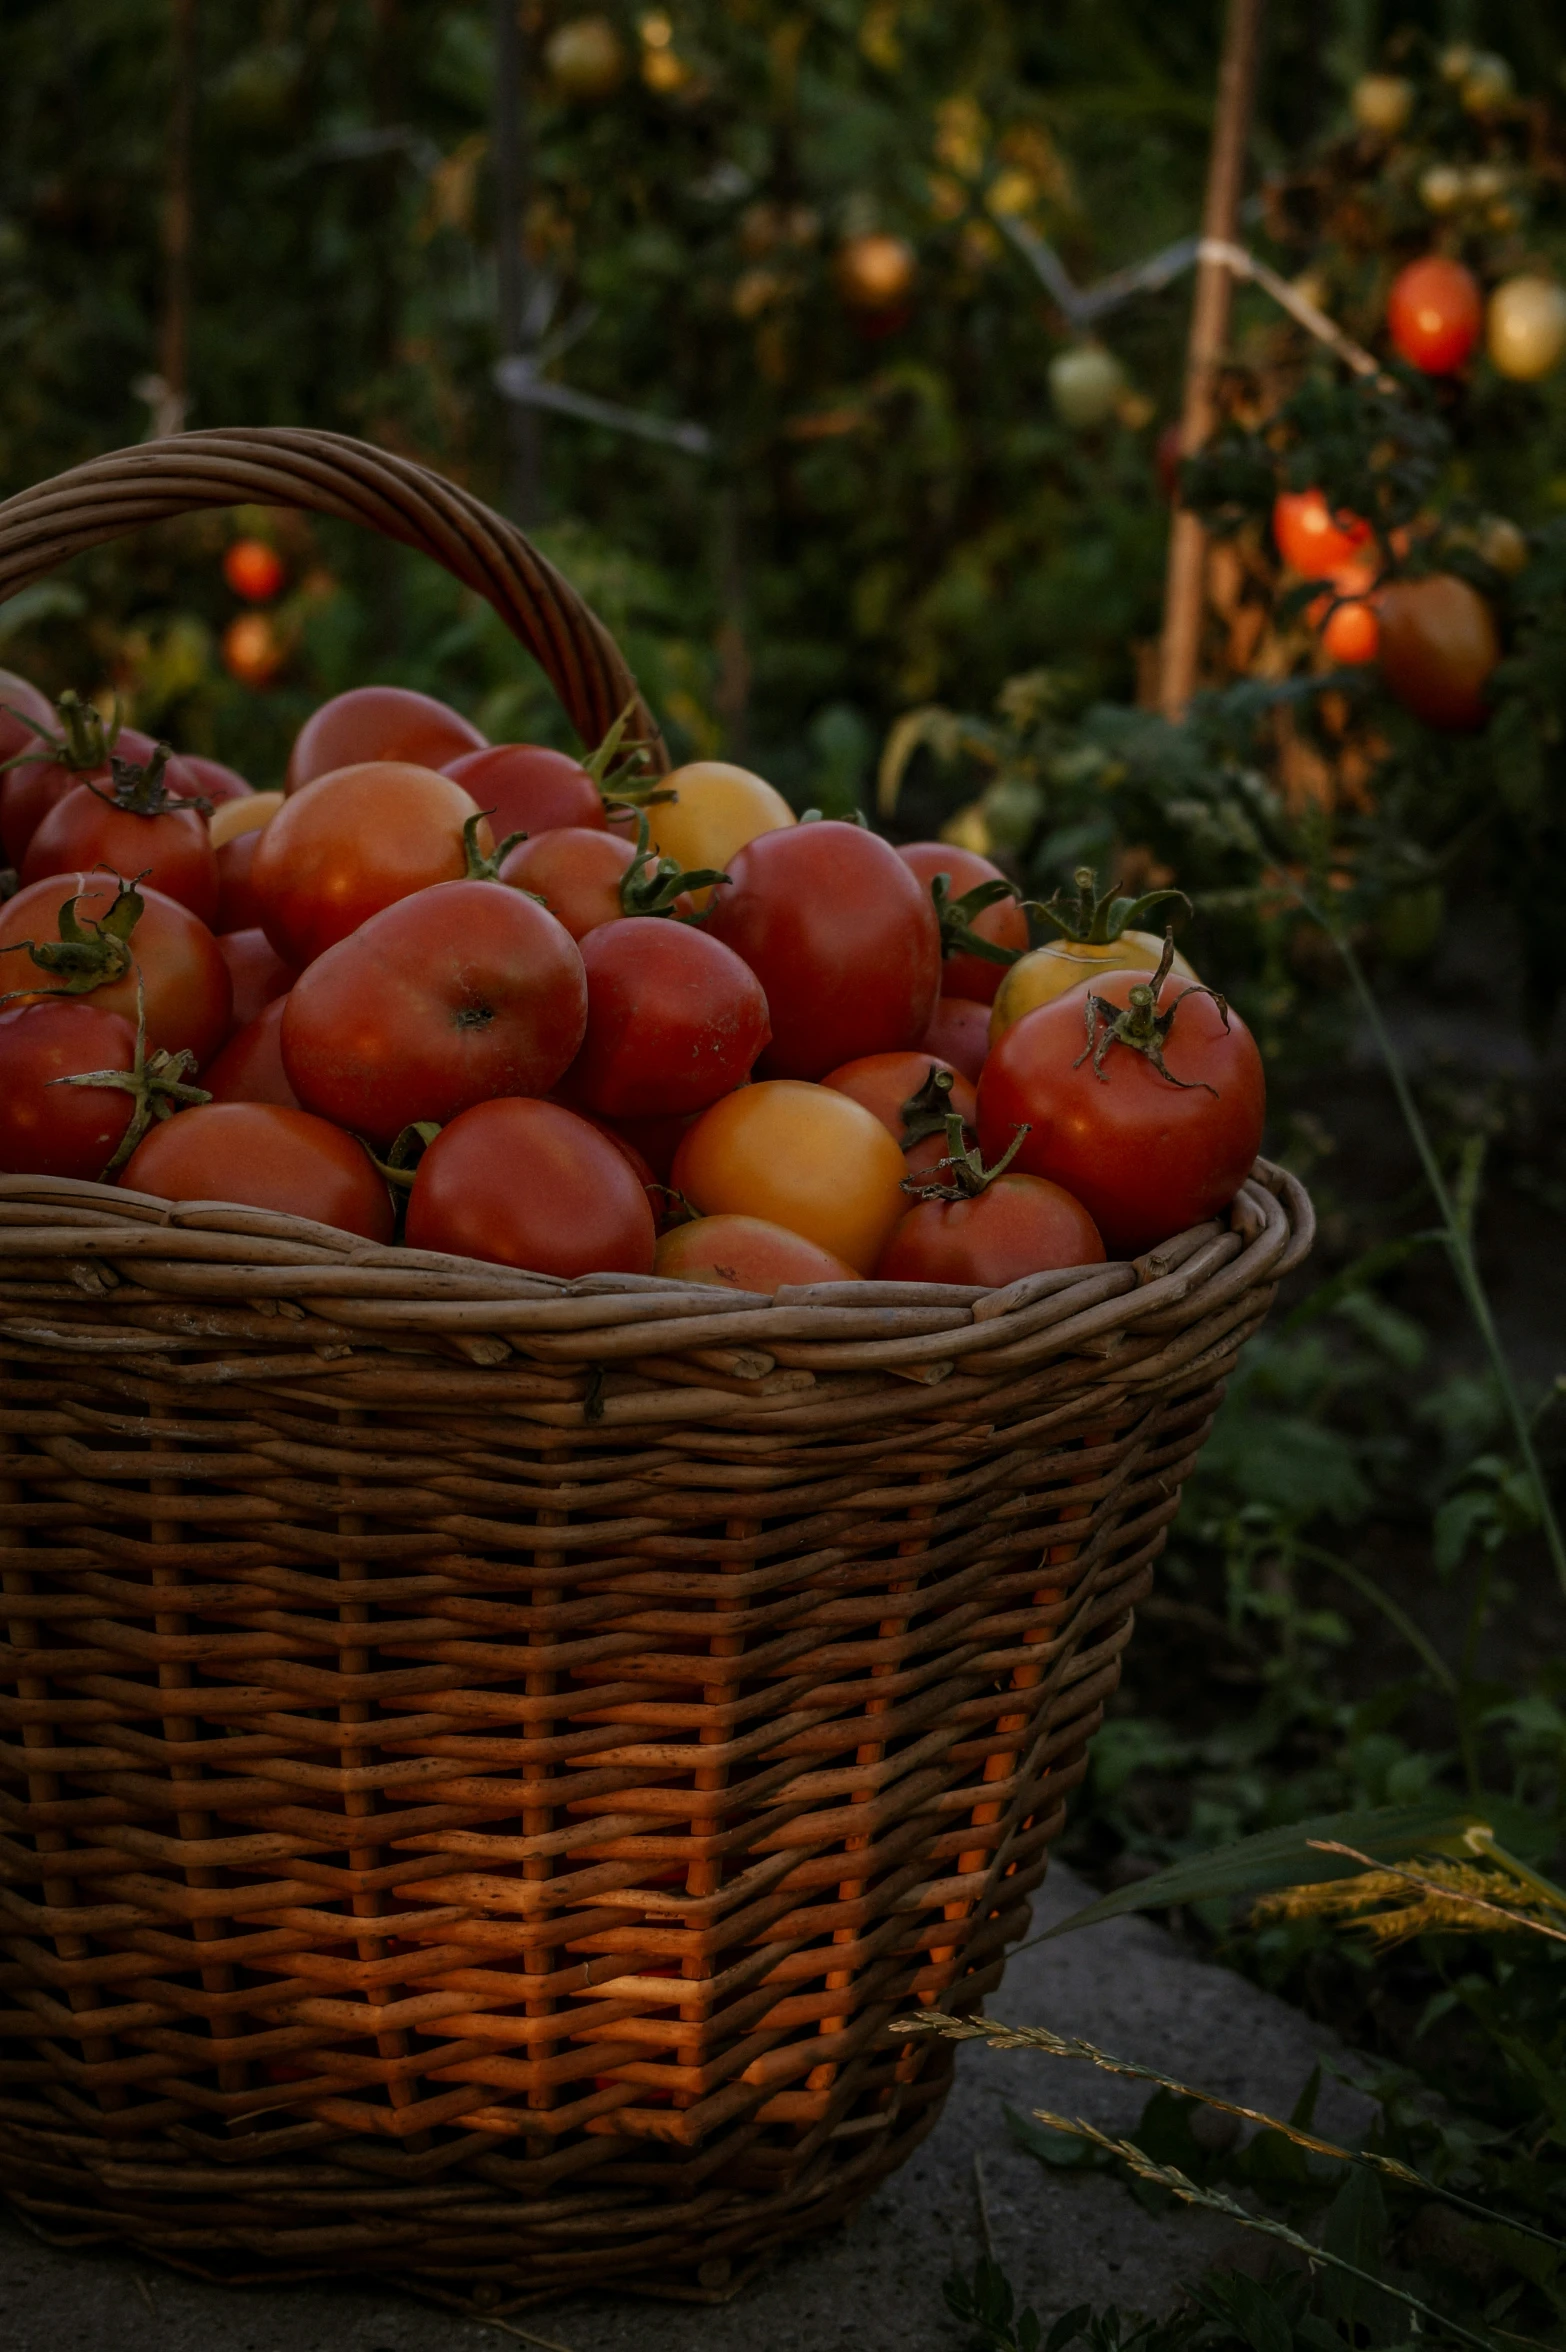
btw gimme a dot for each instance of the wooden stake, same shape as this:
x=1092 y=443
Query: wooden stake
x=1183 y=598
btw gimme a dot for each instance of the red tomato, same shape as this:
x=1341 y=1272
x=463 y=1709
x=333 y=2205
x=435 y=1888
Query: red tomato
x=378 y=723
x=577 y=872
x=959 y=1033
x=1002 y=924
x=526 y=1183
x=1017 y=1225
x=257 y=971
x=804 y=1157
x=1311 y=539
x=886 y=1083
x=266 y=1157
x=350 y=844
x=658 y=1197
x=1438 y=648
x=133 y=825
x=188 y=991
x=252 y=650
x=76 y=752
x=250 y=1067
x=214 y=781
x=1351 y=627
x=24 y=712
x=253 y=570
x=1435 y=314
x=674 y=1019
x=47 y=1129
x=841 y=936
x=438 y=1002
x=655 y=1140
x=746 y=1253
x=239 y=904
x=528 y=788
x=1145 y=1154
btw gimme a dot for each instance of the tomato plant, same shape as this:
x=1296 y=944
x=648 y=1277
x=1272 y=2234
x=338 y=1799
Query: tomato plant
x=460 y=992
x=804 y=1157
x=1435 y=314
x=268 y=1157
x=352 y=843
x=983 y=926
x=1438 y=647
x=528 y=788
x=527 y=1183
x=49 y=1129
x=842 y=937
x=1144 y=1097
x=379 y=723
x=674 y=1019
x=250 y=1066
x=135 y=825
x=746 y=1253
x=1312 y=538
x=96 y=937
x=257 y=971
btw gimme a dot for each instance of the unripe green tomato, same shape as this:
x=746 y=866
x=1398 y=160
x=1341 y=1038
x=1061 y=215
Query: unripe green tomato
x=1526 y=327
x=1085 y=384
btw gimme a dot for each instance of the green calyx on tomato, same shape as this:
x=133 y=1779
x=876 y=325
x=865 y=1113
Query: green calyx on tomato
x=158 y=1084
x=83 y=740
x=969 y=1175
x=141 y=790
x=929 y=1111
x=956 y=917
x=1139 y=1024
x=480 y=867
x=403 y=1155
x=635 y=779
x=652 y=885
x=1092 y=920
x=85 y=959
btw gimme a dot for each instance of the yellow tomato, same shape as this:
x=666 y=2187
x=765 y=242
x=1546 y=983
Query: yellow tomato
x=232 y=817
x=1048 y=971
x=804 y=1157
x=719 y=809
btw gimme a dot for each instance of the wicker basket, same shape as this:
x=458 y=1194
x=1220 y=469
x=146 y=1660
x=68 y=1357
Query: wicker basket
x=488 y=1760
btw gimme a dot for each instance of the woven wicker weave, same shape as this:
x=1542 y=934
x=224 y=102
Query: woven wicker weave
x=487 y=1760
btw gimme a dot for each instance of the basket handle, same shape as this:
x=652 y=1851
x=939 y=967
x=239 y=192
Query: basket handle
x=332 y=474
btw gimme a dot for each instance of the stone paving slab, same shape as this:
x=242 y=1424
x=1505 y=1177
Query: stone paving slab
x=872 y=2286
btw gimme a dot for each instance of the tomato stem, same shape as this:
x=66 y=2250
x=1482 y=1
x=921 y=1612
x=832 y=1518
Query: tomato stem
x=85 y=959
x=82 y=742
x=1140 y=1025
x=926 y=1112
x=1092 y=920
x=652 y=885
x=140 y=790
x=158 y=1082
x=970 y=1176
x=480 y=867
x=632 y=780
x=956 y=917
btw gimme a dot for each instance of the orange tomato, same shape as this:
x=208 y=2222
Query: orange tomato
x=1435 y=314
x=253 y=570
x=746 y=1253
x=252 y=650
x=347 y=845
x=1350 y=627
x=804 y=1157
x=1311 y=539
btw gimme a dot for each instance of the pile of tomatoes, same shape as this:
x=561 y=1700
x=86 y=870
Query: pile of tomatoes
x=511 y=1005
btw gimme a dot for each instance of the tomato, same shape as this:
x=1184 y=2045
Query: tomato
x=94 y=931
x=746 y=1253
x=1001 y=924
x=1146 y=1154
x=1438 y=647
x=1435 y=314
x=441 y=1000
x=578 y=874
x=655 y=1140
x=887 y=1083
x=253 y=570
x=1063 y=964
x=1312 y=539
x=233 y=818
x=959 y=1034
x=525 y=1183
x=804 y=1157
x=352 y=843
x=214 y=781
x=716 y=810
x=527 y=788
x=266 y=1157
x=1017 y=1225
x=1349 y=619
x=1526 y=329
x=250 y=1066
x=235 y=832
x=659 y=1199
x=133 y=825
x=252 y=650
x=380 y=723
x=257 y=971
x=842 y=937
x=674 y=1019
x=76 y=750
x=47 y=1129
x=24 y=713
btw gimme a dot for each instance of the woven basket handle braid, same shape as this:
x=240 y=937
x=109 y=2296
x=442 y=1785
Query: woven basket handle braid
x=331 y=474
